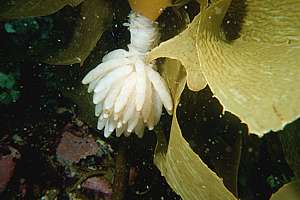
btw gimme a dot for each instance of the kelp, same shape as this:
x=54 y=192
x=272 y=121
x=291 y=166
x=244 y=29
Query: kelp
x=290 y=191
x=217 y=138
x=15 y=9
x=94 y=17
x=186 y=173
x=257 y=76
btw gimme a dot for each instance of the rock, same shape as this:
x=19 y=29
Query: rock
x=7 y=166
x=75 y=145
x=98 y=185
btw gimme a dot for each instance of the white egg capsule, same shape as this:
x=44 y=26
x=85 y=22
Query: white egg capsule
x=128 y=92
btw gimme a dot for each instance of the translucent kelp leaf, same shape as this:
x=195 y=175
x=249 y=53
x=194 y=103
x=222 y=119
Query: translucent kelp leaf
x=257 y=76
x=215 y=137
x=185 y=172
x=94 y=16
x=290 y=191
x=183 y=48
x=14 y=9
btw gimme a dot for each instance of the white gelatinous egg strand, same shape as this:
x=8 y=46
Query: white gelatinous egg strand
x=128 y=92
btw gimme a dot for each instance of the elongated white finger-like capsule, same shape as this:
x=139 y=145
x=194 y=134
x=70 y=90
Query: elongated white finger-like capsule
x=140 y=84
x=101 y=123
x=100 y=96
x=148 y=101
x=161 y=89
x=104 y=68
x=129 y=110
x=125 y=93
x=126 y=133
x=98 y=109
x=92 y=85
x=112 y=77
x=132 y=122
x=116 y=116
x=120 y=124
x=112 y=125
x=107 y=133
x=139 y=128
x=150 y=121
x=112 y=96
x=157 y=107
x=120 y=130
x=115 y=54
